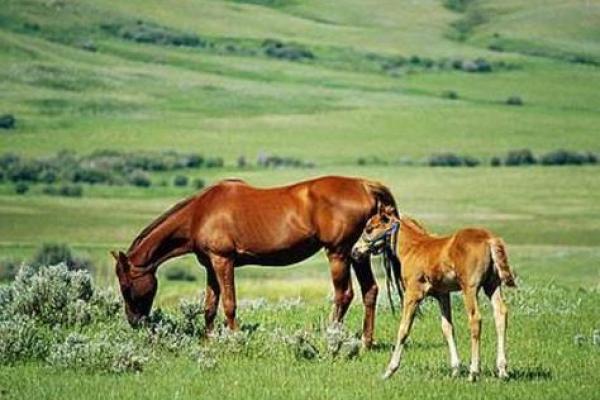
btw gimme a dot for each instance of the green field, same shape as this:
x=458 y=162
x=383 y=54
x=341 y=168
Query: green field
x=75 y=80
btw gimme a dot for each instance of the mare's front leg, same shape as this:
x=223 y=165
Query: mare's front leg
x=223 y=270
x=342 y=285
x=369 y=289
x=412 y=298
x=211 y=296
x=448 y=331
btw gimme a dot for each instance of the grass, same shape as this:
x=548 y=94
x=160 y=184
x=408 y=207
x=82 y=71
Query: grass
x=332 y=110
x=541 y=365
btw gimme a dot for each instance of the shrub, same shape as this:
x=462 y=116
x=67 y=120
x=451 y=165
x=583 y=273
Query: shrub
x=9 y=268
x=566 y=157
x=179 y=273
x=495 y=161
x=71 y=191
x=214 y=162
x=288 y=51
x=199 y=183
x=53 y=253
x=139 y=178
x=241 y=162
x=514 y=101
x=181 y=180
x=520 y=157
x=91 y=175
x=451 y=160
x=450 y=94
x=7 y=121
x=105 y=352
x=21 y=188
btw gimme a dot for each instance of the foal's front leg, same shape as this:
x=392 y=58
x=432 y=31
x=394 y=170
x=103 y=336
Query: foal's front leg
x=475 y=324
x=448 y=331
x=412 y=298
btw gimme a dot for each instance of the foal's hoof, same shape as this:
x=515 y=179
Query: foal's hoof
x=502 y=374
x=386 y=376
x=473 y=376
x=455 y=372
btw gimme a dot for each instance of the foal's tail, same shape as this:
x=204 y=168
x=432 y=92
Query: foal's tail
x=500 y=259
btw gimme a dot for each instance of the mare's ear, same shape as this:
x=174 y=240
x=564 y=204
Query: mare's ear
x=124 y=261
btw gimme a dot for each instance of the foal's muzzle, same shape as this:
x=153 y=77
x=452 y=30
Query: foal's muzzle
x=368 y=245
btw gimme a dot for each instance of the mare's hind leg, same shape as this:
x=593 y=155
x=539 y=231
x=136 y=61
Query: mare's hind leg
x=412 y=298
x=500 y=316
x=369 y=289
x=223 y=268
x=342 y=285
x=475 y=325
x=448 y=331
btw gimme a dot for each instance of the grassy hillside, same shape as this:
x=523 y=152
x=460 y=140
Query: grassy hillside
x=228 y=97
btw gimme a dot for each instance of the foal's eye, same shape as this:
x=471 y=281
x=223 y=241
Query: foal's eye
x=385 y=219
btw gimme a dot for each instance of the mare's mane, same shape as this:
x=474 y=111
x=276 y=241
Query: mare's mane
x=146 y=231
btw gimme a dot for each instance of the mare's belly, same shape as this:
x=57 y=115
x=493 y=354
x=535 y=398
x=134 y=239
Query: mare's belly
x=279 y=257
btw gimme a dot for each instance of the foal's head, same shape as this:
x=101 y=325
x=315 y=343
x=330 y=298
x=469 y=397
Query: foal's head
x=375 y=234
x=138 y=289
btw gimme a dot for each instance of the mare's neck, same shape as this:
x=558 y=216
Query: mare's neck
x=167 y=239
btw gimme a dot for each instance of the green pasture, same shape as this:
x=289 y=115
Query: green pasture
x=72 y=84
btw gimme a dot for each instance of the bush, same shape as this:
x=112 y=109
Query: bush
x=21 y=188
x=514 y=101
x=7 y=121
x=199 y=183
x=495 y=161
x=9 y=268
x=566 y=157
x=179 y=273
x=520 y=157
x=214 y=162
x=181 y=180
x=292 y=52
x=139 y=178
x=450 y=94
x=451 y=160
x=64 y=190
x=53 y=254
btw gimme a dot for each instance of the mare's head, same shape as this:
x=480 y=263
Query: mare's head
x=375 y=234
x=137 y=287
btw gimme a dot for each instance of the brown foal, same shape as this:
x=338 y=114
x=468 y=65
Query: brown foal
x=434 y=266
x=232 y=224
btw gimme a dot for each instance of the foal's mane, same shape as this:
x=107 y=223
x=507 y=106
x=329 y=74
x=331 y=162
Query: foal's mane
x=413 y=224
x=146 y=231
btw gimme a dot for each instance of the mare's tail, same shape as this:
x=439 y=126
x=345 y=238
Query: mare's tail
x=500 y=259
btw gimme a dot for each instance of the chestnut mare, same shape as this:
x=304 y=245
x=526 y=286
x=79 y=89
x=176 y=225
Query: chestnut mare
x=232 y=224
x=434 y=266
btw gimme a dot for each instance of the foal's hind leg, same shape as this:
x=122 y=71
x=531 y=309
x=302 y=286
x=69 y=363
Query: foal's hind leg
x=475 y=324
x=500 y=317
x=412 y=298
x=448 y=331
x=342 y=285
